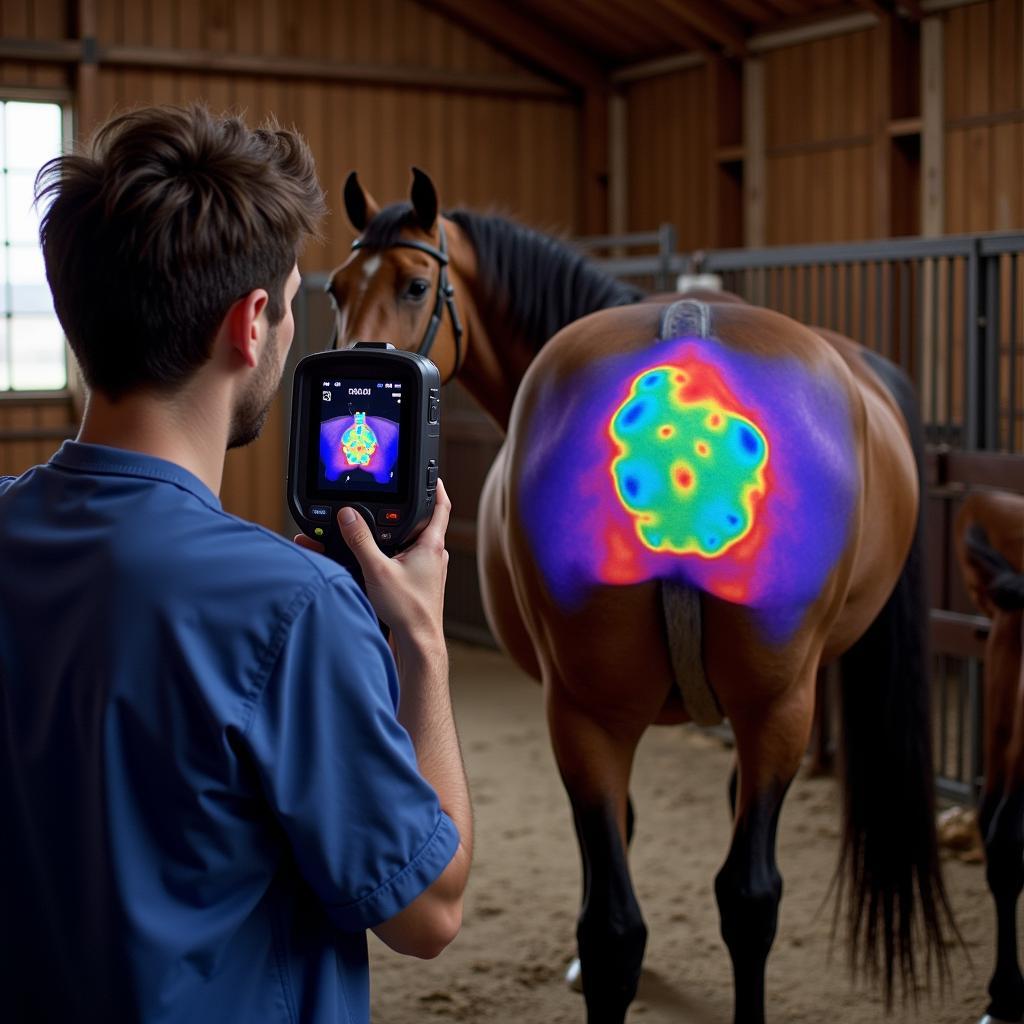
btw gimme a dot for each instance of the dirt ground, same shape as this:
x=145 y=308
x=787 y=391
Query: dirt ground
x=518 y=933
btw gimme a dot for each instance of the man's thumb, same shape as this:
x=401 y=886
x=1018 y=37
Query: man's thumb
x=357 y=535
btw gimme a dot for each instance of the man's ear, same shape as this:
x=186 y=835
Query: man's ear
x=246 y=330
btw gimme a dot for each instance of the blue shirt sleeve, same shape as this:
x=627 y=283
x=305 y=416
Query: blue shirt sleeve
x=340 y=772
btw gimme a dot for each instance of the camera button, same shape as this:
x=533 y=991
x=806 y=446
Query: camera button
x=431 y=473
x=389 y=516
x=432 y=410
x=319 y=512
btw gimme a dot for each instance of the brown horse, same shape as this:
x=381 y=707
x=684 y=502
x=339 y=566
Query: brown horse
x=990 y=545
x=697 y=503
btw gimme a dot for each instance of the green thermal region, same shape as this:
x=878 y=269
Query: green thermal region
x=687 y=471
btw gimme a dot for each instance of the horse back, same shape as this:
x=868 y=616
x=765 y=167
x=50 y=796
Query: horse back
x=725 y=452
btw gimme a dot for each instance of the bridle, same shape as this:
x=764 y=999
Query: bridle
x=445 y=295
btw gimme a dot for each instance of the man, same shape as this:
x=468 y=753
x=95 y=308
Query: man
x=209 y=788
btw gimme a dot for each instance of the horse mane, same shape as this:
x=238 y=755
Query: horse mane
x=538 y=282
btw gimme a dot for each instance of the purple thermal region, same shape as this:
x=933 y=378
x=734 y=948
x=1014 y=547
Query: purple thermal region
x=589 y=501
x=380 y=451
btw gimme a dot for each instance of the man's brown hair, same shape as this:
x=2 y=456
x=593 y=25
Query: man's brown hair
x=171 y=216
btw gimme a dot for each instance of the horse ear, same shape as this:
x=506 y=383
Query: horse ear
x=360 y=206
x=424 y=199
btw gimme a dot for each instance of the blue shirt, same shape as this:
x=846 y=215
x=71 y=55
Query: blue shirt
x=205 y=794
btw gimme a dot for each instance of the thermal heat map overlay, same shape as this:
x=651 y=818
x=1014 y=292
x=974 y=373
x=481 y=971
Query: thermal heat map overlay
x=688 y=470
x=691 y=461
x=359 y=442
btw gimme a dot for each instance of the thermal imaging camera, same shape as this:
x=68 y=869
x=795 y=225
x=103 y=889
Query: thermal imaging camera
x=365 y=432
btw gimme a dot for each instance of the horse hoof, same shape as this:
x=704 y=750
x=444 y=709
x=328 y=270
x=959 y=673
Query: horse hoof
x=574 y=978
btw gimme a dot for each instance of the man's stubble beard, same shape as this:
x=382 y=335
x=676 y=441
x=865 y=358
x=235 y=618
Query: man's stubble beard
x=254 y=407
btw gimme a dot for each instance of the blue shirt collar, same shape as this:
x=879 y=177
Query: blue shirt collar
x=100 y=458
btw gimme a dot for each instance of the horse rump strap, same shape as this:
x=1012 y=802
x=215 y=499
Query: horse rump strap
x=681 y=608
x=680 y=605
x=686 y=318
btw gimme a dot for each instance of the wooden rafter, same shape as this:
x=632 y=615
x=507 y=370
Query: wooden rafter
x=674 y=31
x=883 y=10
x=753 y=11
x=711 y=19
x=524 y=37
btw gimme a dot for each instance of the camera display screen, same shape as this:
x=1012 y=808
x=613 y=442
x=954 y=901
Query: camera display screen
x=359 y=426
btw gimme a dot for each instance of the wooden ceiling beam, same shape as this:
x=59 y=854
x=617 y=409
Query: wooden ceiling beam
x=789 y=8
x=524 y=37
x=674 y=31
x=875 y=7
x=709 y=19
x=753 y=11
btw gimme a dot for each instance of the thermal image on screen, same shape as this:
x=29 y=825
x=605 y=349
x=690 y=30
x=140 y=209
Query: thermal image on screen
x=691 y=461
x=357 y=444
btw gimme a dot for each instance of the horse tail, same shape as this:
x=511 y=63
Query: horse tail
x=1003 y=584
x=889 y=866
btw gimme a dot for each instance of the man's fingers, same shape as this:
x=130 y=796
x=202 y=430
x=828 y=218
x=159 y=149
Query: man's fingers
x=357 y=536
x=438 y=524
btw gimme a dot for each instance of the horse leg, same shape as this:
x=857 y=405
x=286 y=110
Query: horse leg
x=771 y=739
x=595 y=761
x=1002 y=808
x=574 y=972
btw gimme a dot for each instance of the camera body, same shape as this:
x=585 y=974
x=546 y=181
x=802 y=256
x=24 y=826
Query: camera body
x=365 y=432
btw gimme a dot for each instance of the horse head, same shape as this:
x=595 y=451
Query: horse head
x=399 y=285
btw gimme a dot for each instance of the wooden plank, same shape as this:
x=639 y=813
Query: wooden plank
x=956 y=634
x=1004 y=182
x=1005 y=57
x=955 y=79
x=979 y=156
x=979 y=70
x=523 y=35
x=709 y=19
x=593 y=218
x=618 y=164
x=754 y=145
x=880 y=74
x=198 y=59
x=48 y=21
x=932 y=127
x=982 y=469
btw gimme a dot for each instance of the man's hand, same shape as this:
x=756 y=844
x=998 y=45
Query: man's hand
x=406 y=591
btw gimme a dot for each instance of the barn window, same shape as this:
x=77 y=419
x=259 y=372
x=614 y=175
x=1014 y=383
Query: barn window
x=32 y=346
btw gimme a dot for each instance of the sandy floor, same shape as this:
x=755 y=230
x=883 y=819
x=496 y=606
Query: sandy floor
x=518 y=934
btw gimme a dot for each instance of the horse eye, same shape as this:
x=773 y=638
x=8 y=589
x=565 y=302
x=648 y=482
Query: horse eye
x=416 y=288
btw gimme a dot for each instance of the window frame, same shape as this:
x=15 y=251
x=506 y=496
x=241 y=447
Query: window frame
x=65 y=100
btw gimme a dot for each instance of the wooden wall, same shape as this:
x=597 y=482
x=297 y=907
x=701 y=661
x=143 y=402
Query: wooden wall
x=820 y=112
x=839 y=155
x=984 y=106
x=517 y=152
x=668 y=123
x=842 y=130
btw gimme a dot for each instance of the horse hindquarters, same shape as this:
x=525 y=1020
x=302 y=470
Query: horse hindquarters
x=890 y=845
